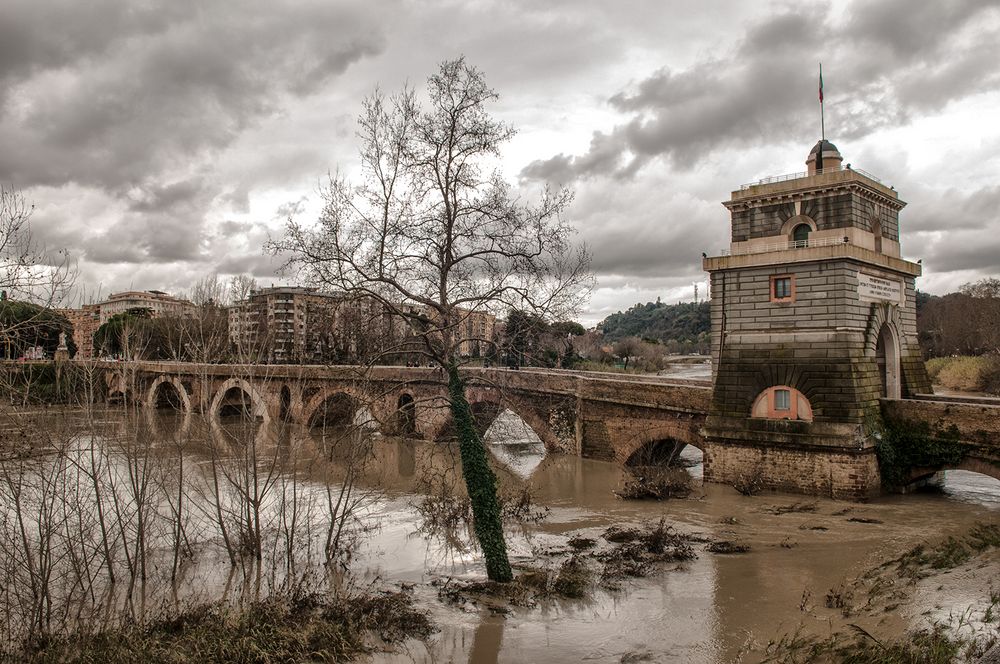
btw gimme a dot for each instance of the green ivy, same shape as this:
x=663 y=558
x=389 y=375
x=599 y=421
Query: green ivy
x=904 y=446
x=480 y=481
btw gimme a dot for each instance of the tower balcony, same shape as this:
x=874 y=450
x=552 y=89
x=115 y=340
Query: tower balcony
x=804 y=251
x=785 y=245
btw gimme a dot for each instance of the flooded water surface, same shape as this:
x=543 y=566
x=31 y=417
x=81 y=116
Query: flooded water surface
x=714 y=608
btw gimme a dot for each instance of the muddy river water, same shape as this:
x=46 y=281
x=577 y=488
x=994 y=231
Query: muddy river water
x=706 y=610
x=714 y=608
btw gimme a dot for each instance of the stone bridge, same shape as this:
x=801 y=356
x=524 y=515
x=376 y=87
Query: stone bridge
x=628 y=419
x=972 y=421
x=601 y=416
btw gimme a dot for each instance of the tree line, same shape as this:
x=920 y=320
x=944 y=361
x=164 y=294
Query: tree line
x=962 y=323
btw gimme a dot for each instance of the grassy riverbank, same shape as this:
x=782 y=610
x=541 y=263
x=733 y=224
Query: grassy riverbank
x=305 y=628
x=966 y=373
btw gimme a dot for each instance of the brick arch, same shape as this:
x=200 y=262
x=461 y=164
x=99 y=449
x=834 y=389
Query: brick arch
x=357 y=397
x=177 y=384
x=538 y=424
x=256 y=400
x=681 y=430
x=799 y=406
x=117 y=385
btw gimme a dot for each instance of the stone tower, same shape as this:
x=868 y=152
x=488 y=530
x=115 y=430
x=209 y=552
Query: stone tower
x=813 y=322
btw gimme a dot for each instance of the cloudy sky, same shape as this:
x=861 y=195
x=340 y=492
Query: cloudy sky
x=164 y=140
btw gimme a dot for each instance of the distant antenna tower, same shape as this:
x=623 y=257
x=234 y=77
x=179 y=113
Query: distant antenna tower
x=696 y=292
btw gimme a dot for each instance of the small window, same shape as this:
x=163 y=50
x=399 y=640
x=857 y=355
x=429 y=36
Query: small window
x=782 y=402
x=782 y=289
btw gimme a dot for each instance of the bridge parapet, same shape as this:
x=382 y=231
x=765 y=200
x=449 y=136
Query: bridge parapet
x=606 y=416
x=977 y=420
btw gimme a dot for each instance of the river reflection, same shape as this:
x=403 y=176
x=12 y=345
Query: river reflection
x=706 y=610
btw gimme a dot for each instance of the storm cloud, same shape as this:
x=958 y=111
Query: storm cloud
x=759 y=92
x=164 y=140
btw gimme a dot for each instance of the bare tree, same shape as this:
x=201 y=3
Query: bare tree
x=627 y=348
x=435 y=234
x=241 y=286
x=988 y=287
x=27 y=270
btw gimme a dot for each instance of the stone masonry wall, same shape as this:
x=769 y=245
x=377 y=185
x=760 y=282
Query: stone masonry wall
x=835 y=474
x=822 y=343
x=837 y=210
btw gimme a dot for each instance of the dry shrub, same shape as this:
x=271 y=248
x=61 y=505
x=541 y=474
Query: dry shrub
x=655 y=482
x=640 y=550
x=582 y=543
x=727 y=546
x=277 y=629
x=750 y=482
x=519 y=506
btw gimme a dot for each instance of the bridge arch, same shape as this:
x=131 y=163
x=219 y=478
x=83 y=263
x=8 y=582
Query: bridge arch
x=406 y=414
x=485 y=411
x=154 y=394
x=971 y=464
x=258 y=407
x=285 y=403
x=341 y=406
x=659 y=442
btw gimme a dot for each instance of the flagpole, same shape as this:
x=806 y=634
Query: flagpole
x=822 y=115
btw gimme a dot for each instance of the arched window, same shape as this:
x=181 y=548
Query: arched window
x=782 y=403
x=800 y=236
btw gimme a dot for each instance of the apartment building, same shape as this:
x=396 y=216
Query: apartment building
x=158 y=303
x=296 y=324
x=85 y=322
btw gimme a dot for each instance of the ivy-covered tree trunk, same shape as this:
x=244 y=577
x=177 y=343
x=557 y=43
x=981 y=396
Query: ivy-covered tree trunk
x=480 y=481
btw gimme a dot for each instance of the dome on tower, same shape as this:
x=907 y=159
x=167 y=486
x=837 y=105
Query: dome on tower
x=825 y=145
x=824 y=157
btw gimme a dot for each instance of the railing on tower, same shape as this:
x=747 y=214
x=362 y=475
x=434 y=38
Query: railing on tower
x=784 y=246
x=795 y=176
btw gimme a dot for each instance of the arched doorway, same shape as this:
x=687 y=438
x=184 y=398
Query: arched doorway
x=887 y=361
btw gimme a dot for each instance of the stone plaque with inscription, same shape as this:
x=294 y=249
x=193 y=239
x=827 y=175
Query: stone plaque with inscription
x=879 y=289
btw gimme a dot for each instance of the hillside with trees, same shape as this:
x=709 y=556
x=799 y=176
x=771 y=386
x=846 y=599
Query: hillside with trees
x=681 y=327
